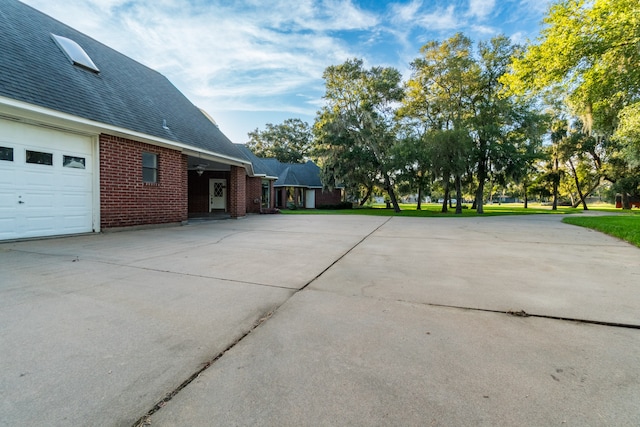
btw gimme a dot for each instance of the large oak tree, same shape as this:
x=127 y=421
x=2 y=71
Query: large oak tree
x=355 y=130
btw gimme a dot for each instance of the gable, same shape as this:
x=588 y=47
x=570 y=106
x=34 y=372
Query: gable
x=124 y=93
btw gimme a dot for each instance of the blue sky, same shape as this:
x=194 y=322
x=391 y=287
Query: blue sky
x=252 y=62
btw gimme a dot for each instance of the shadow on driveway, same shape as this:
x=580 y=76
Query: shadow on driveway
x=400 y=321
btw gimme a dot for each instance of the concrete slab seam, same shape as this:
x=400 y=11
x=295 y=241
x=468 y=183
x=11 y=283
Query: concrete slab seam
x=75 y=258
x=344 y=255
x=145 y=420
x=201 y=276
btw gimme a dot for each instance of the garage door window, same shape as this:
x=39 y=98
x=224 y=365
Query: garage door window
x=6 y=153
x=39 y=158
x=149 y=167
x=73 y=162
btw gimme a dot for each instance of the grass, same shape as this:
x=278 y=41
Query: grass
x=433 y=210
x=625 y=227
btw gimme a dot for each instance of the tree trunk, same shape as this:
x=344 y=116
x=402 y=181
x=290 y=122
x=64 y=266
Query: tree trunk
x=458 y=195
x=366 y=196
x=482 y=176
x=392 y=194
x=556 y=182
x=419 y=206
x=626 y=201
x=445 y=203
x=575 y=178
x=587 y=194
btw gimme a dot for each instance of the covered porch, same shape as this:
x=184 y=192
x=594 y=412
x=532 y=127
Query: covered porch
x=215 y=189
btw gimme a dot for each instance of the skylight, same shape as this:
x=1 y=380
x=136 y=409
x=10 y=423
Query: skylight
x=75 y=53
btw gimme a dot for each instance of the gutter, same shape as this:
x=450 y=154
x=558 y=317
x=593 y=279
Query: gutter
x=33 y=114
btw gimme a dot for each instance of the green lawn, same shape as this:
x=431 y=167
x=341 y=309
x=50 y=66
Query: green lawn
x=433 y=210
x=625 y=226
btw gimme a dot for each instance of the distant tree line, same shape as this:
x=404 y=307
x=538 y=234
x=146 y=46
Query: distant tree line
x=558 y=118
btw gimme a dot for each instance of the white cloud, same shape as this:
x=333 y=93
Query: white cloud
x=537 y=6
x=405 y=13
x=518 y=38
x=481 y=8
x=440 y=19
x=484 y=30
x=220 y=53
x=252 y=55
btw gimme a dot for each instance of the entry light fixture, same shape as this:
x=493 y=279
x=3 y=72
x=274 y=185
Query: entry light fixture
x=200 y=169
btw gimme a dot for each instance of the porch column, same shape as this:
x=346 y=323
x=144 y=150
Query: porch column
x=237 y=192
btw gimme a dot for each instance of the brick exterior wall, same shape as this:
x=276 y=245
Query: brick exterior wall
x=322 y=197
x=254 y=193
x=125 y=200
x=237 y=192
x=326 y=197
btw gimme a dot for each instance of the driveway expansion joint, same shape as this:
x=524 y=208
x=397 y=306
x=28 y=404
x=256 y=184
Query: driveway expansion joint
x=145 y=420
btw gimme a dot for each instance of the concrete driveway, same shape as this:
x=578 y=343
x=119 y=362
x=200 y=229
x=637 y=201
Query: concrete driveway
x=323 y=320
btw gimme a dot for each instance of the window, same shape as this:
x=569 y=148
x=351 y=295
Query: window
x=149 y=167
x=6 y=153
x=75 y=53
x=73 y=162
x=39 y=158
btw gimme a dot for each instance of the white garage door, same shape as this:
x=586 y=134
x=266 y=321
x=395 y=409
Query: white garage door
x=46 y=182
x=310 y=203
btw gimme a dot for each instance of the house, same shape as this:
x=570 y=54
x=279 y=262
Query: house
x=634 y=202
x=294 y=184
x=92 y=140
x=260 y=192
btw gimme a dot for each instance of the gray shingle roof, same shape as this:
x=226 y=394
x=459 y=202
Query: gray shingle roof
x=124 y=93
x=259 y=165
x=295 y=174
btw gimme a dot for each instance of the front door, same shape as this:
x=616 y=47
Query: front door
x=217 y=194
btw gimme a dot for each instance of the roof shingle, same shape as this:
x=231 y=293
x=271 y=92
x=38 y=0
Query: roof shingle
x=124 y=93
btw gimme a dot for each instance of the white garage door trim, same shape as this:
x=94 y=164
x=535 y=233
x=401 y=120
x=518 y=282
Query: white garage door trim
x=50 y=185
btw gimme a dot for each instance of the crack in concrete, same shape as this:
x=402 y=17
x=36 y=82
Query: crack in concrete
x=168 y=254
x=145 y=420
x=522 y=313
x=202 y=276
x=343 y=255
x=74 y=258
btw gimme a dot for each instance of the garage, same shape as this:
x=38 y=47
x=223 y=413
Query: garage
x=46 y=181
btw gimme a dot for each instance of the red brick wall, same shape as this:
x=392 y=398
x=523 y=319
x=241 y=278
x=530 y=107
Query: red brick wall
x=326 y=197
x=254 y=192
x=127 y=201
x=237 y=192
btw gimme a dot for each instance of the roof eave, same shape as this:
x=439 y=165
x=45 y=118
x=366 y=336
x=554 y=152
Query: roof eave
x=20 y=110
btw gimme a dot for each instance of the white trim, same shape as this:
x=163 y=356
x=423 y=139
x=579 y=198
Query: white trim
x=95 y=144
x=264 y=176
x=40 y=114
